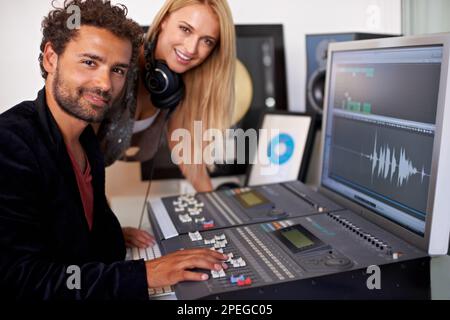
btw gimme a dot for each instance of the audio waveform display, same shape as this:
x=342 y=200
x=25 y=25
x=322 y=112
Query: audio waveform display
x=388 y=164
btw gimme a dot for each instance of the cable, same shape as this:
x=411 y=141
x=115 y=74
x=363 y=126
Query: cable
x=151 y=170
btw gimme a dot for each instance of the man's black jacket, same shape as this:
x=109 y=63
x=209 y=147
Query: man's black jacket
x=43 y=229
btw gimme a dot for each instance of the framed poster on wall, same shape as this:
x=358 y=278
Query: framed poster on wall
x=284 y=148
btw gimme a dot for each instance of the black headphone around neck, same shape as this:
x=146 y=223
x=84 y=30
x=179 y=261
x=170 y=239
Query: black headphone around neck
x=165 y=86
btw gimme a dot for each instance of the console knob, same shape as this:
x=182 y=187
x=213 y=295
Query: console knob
x=277 y=212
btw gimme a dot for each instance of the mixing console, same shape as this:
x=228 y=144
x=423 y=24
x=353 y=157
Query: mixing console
x=291 y=258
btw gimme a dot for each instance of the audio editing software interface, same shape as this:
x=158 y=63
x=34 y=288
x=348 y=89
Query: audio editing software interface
x=380 y=131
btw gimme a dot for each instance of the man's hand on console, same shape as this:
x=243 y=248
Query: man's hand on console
x=176 y=266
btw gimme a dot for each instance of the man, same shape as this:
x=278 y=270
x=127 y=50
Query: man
x=54 y=217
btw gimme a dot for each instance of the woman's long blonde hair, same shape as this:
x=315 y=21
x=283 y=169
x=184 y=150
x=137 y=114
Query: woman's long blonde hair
x=209 y=93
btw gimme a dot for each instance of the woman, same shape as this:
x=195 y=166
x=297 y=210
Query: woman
x=196 y=39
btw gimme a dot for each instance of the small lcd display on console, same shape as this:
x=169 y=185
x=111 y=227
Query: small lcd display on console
x=297 y=238
x=251 y=199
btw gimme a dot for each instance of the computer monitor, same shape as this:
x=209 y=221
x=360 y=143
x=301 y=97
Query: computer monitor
x=386 y=141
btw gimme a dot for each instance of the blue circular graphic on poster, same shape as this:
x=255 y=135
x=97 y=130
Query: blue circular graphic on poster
x=280 y=149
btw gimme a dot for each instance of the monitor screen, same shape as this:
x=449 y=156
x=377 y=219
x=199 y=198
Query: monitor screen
x=380 y=131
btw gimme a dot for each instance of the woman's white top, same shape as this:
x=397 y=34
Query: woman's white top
x=141 y=125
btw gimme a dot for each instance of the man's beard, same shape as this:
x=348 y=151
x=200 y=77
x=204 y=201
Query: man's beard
x=74 y=104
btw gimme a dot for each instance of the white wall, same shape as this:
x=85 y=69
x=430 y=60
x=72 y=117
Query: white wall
x=20 y=34
x=420 y=17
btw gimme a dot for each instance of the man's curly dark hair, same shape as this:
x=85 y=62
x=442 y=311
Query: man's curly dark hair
x=97 y=13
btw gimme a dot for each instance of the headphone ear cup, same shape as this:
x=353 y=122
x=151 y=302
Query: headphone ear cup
x=172 y=100
x=166 y=87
